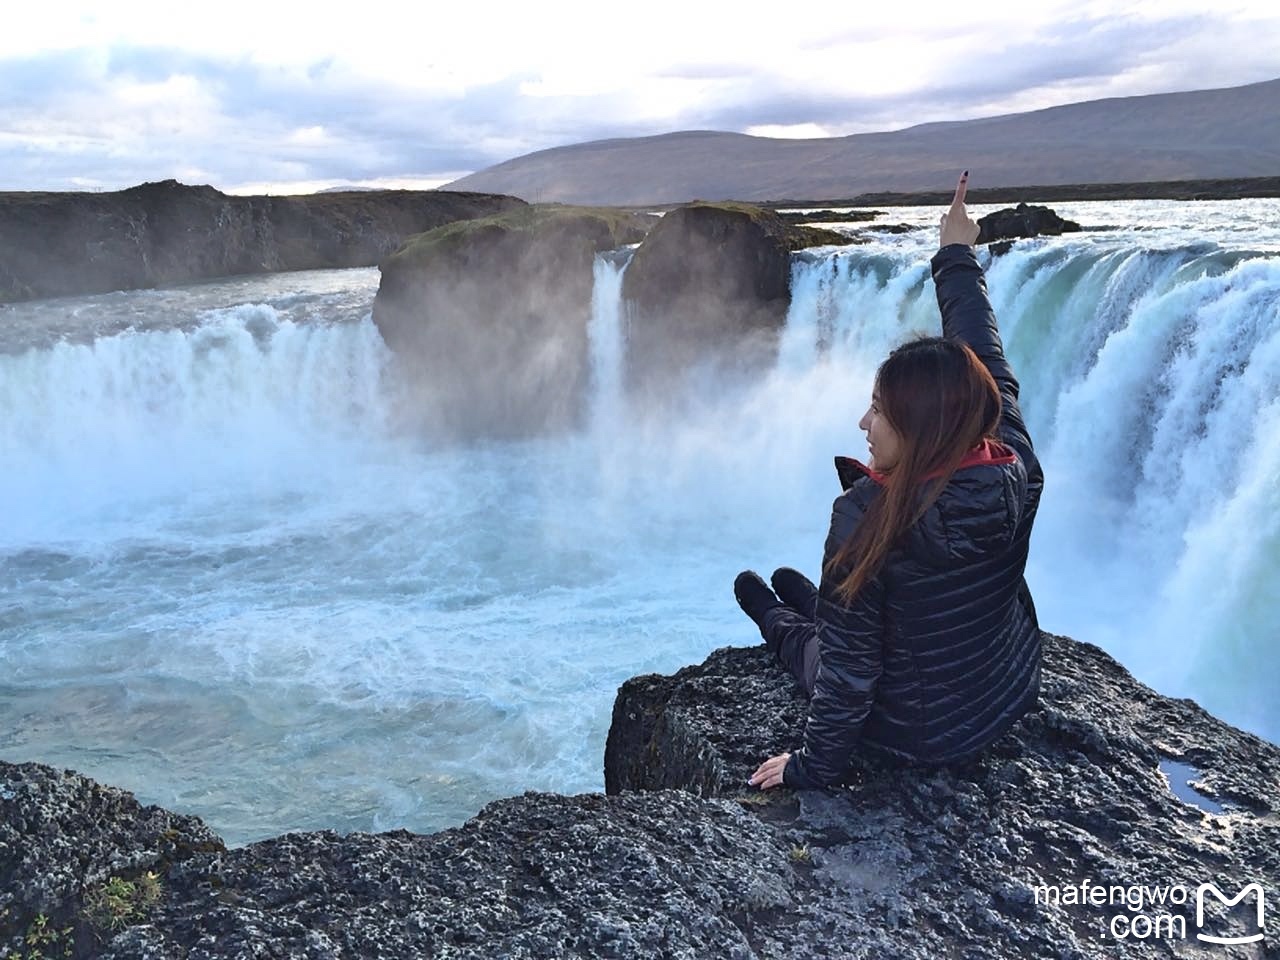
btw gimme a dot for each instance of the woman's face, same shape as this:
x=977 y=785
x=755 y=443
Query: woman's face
x=883 y=441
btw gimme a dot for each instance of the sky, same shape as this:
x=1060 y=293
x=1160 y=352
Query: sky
x=275 y=97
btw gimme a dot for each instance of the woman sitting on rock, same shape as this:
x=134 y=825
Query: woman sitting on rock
x=922 y=639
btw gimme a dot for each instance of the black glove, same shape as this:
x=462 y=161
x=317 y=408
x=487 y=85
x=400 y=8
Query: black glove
x=796 y=591
x=754 y=596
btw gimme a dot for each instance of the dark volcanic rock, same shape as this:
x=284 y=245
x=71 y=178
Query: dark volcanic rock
x=906 y=862
x=488 y=318
x=540 y=875
x=895 y=228
x=829 y=216
x=62 y=835
x=711 y=282
x=157 y=234
x=944 y=861
x=1023 y=221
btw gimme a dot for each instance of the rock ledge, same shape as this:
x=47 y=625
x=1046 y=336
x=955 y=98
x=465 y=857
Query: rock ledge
x=686 y=861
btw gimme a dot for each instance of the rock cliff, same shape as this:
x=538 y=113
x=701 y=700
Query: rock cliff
x=1089 y=788
x=488 y=318
x=710 y=284
x=158 y=234
x=683 y=860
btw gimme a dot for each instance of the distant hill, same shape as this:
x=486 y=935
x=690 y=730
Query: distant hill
x=1204 y=134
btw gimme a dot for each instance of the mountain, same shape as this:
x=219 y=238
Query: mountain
x=1203 y=134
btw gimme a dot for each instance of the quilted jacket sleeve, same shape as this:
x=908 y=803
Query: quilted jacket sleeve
x=967 y=315
x=851 y=651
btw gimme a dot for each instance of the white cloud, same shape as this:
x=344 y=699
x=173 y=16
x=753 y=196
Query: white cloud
x=794 y=131
x=282 y=187
x=313 y=136
x=254 y=93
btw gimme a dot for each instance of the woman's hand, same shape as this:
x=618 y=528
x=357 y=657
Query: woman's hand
x=769 y=773
x=956 y=226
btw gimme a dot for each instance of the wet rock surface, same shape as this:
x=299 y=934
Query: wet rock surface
x=684 y=860
x=161 y=234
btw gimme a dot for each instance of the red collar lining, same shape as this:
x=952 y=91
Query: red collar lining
x=988 y=453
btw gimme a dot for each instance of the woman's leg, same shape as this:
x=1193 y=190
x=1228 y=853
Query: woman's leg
x=786 y=620
x=793 y=638
x=796 y=590
x=800 y=594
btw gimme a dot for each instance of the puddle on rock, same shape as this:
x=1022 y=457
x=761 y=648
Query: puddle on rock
x=1180 y=776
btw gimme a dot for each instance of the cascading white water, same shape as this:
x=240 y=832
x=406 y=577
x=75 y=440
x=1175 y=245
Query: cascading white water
x=608 y=341
x=226 y=584
x=243 y=399
x=1151 y=383
x=1163 y=543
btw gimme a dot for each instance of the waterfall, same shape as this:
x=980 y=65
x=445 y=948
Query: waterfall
x=607 y=337
x=221 y=564
x=1151 y=385
x=243 y=399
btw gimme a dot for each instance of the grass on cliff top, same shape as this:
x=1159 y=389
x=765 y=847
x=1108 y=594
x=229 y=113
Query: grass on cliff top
x=623 y=226
x=755 y=212
x=793 y=236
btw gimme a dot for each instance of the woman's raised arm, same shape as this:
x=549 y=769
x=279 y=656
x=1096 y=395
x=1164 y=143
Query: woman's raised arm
x=967 y=315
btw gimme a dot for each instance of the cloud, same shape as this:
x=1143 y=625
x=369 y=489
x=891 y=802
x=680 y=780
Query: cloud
x=141 y=114
x=1085 y=56
x=237 y=109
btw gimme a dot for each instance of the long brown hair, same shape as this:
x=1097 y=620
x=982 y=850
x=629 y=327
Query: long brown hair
x=942 y=402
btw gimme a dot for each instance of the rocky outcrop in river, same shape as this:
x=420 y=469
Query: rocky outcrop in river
x=488 y=318
x=710 y=285
x=683 y=860
x=161 y=234
x=1021 y=222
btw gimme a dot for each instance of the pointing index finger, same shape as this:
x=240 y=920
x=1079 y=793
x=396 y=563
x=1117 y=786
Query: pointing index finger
x=961 y=189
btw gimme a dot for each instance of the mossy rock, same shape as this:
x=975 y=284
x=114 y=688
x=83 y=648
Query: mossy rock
x=488 y=318
x=711 y=282
x=603 y=228
x=791 y=235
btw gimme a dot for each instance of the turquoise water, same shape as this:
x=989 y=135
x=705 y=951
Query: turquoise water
x=230 y=583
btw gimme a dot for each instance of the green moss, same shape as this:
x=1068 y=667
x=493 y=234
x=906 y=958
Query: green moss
x=756 y=213
x=793 y=236
x=820 y=237
x=616 y=227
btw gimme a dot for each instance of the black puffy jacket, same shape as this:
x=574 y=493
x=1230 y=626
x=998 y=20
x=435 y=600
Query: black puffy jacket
x=939 y=654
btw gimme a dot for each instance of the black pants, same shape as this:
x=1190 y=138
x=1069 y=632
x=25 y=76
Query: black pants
x=794 y=636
